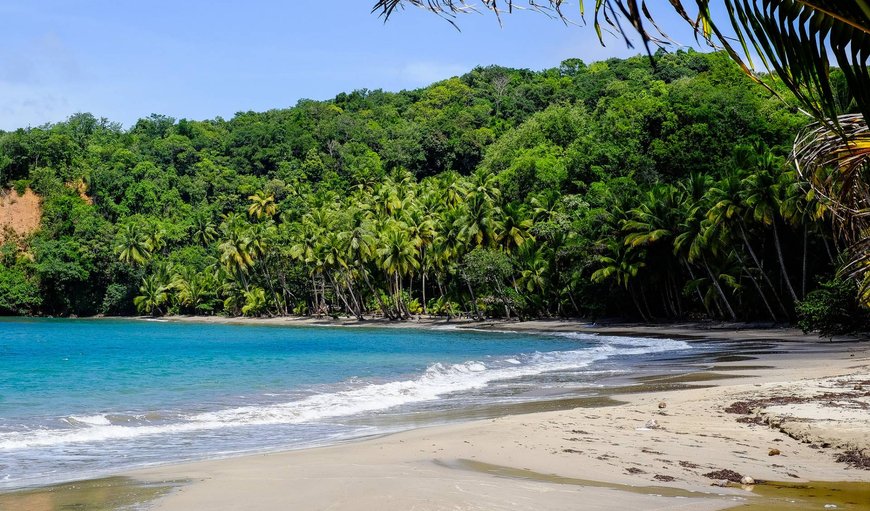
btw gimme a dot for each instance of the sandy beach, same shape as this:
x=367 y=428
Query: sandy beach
x=805 y=405
x=780 y=414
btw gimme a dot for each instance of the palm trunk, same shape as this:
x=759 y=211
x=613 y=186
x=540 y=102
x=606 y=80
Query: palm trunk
x=357 y=301
x=782 y=262
x=636 y=303
x=804 y=266
x=337 y=290
x=757 y=287
x=375 y=292
x=697 y=291
x=315 y=304
x=719 y=290
x=761 y=269
x=425 y=310
x=473 y=301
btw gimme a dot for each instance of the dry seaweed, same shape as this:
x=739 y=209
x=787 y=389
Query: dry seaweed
x=726 y=474
x=856 y=458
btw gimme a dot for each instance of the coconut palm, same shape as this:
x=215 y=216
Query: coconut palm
x=622 y=265
x=729 y=208
x=761 y=190
x=795 y=40
x=515 y=227
x=696 y=240
x=262 y=205
x=203 y=228
x=194 y=289
x=153 y=295
x=838 y=169
x=131 y=245
x=398 y=258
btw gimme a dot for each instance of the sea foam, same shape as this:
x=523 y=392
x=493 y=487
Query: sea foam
x=436 y=381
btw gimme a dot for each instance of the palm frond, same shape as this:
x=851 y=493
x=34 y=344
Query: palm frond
x=836 y=163
x=795 y=39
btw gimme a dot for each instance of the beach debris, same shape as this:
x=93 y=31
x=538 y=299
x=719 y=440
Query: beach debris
x=664 y=478
x=773 y=452
x=729 y=475
x=652 y=424
x=739 y=408
x=688 y=464
x=662 y=405
x=830 y=506
x=746 y=480
x=635 y=470
x=856 y=458
x=723 y=483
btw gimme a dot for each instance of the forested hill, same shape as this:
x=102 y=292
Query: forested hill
x=611 y=188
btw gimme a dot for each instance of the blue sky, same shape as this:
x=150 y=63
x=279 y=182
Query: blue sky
x=200 y=59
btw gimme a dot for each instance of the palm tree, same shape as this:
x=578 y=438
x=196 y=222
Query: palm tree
x=194 y=289
x=262 y=205
x=398 y=259
x=236 y=251
x=795 y=40
x=480 y=224
x=515 y=227
x=836 y=167
x=131 y=245
x=651 y=226
x=621 y=265
x=203 y=227
x=695 y=241
x=727 y=197
x=761 y=196
x=153 y=295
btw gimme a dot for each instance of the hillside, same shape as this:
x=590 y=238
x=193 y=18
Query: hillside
x=610 y=188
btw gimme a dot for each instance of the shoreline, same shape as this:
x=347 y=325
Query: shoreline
x=682 y=330
x=606 y=456
x=603 y=455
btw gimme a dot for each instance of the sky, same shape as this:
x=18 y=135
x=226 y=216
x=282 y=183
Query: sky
x=201 y=59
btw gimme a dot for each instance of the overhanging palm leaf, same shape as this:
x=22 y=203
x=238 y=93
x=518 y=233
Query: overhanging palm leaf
x=838 y=168
x=794 y=38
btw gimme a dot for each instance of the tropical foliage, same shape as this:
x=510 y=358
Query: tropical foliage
x=614 y=188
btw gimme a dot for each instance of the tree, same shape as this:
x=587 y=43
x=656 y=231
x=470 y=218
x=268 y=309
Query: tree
x=262 y=205
x=131 y=245
x=153 y=295
x=793 y=40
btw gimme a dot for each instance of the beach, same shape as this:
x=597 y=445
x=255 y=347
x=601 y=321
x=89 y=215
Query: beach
x=778 y=414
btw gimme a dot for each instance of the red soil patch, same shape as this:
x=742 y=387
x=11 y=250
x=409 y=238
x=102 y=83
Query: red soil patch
x=19 y=215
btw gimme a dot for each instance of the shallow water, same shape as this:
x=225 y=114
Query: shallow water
x=81 y=398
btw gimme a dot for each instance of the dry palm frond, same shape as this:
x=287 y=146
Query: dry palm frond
x=836 y=163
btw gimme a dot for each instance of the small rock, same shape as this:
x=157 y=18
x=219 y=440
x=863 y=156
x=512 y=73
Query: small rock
x=773 y=452
x=651 y=424
x=662 y=405
x=747 y=480
x=721 y=483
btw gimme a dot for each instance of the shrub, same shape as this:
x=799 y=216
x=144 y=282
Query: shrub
x=833 y=309
x=21 y=186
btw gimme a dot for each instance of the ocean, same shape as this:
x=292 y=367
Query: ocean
x=85 y=398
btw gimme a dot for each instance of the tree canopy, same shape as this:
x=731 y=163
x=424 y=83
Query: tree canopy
x=608 y=188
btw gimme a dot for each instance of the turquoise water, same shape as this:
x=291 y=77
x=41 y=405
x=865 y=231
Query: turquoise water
x=88 y=397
